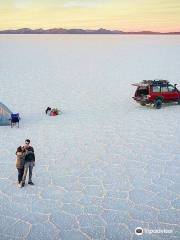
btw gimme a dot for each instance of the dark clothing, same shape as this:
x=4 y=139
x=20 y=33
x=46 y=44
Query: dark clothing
x=28 y=165
x=20 y=174
x=29 y=157
x=30 y=149
x=48 y=109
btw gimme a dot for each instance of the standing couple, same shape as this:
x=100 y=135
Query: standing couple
x=25 y=161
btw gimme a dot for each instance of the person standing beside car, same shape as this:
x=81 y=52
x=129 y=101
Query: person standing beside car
x=29 y=162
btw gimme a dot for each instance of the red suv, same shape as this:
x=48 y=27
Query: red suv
x=156 y=92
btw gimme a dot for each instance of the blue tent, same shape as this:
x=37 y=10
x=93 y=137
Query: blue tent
x=5 y=115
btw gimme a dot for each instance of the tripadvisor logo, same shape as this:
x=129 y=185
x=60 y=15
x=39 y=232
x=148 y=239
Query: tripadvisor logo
x=139 y=231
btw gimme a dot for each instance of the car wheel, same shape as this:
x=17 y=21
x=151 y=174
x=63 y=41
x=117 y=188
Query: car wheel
x=178 y=101
x=158 y=103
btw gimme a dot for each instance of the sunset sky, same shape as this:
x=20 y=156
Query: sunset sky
x=126 y=15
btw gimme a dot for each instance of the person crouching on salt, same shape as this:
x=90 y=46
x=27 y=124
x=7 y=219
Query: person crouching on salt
x=48 y=111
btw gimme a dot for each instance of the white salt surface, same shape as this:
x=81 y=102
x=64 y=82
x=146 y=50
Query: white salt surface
x=106 y=165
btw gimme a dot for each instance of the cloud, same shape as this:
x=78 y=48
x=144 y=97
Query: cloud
x=85 y=3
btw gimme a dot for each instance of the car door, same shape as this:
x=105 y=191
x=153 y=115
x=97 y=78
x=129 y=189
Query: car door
x=165 y=93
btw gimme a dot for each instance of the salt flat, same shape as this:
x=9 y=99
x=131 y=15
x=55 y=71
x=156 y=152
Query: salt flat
x=106 y=165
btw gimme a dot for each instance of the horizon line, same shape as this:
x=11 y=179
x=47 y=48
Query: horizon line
x=89 y=31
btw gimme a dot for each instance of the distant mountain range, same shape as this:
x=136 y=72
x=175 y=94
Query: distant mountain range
x=76 y=31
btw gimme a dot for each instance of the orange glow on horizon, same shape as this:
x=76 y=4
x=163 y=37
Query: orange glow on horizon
x=125 y=15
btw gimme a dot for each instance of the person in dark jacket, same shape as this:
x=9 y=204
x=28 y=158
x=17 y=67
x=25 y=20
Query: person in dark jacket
x=20 y=155
x=48 y=110
x=29 y=162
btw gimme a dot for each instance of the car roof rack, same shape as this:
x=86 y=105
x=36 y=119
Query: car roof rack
x=155 y=81
x=145 y=83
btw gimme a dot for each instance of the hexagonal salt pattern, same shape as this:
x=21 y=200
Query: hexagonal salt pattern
x=106 y=165
x=92 y=207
